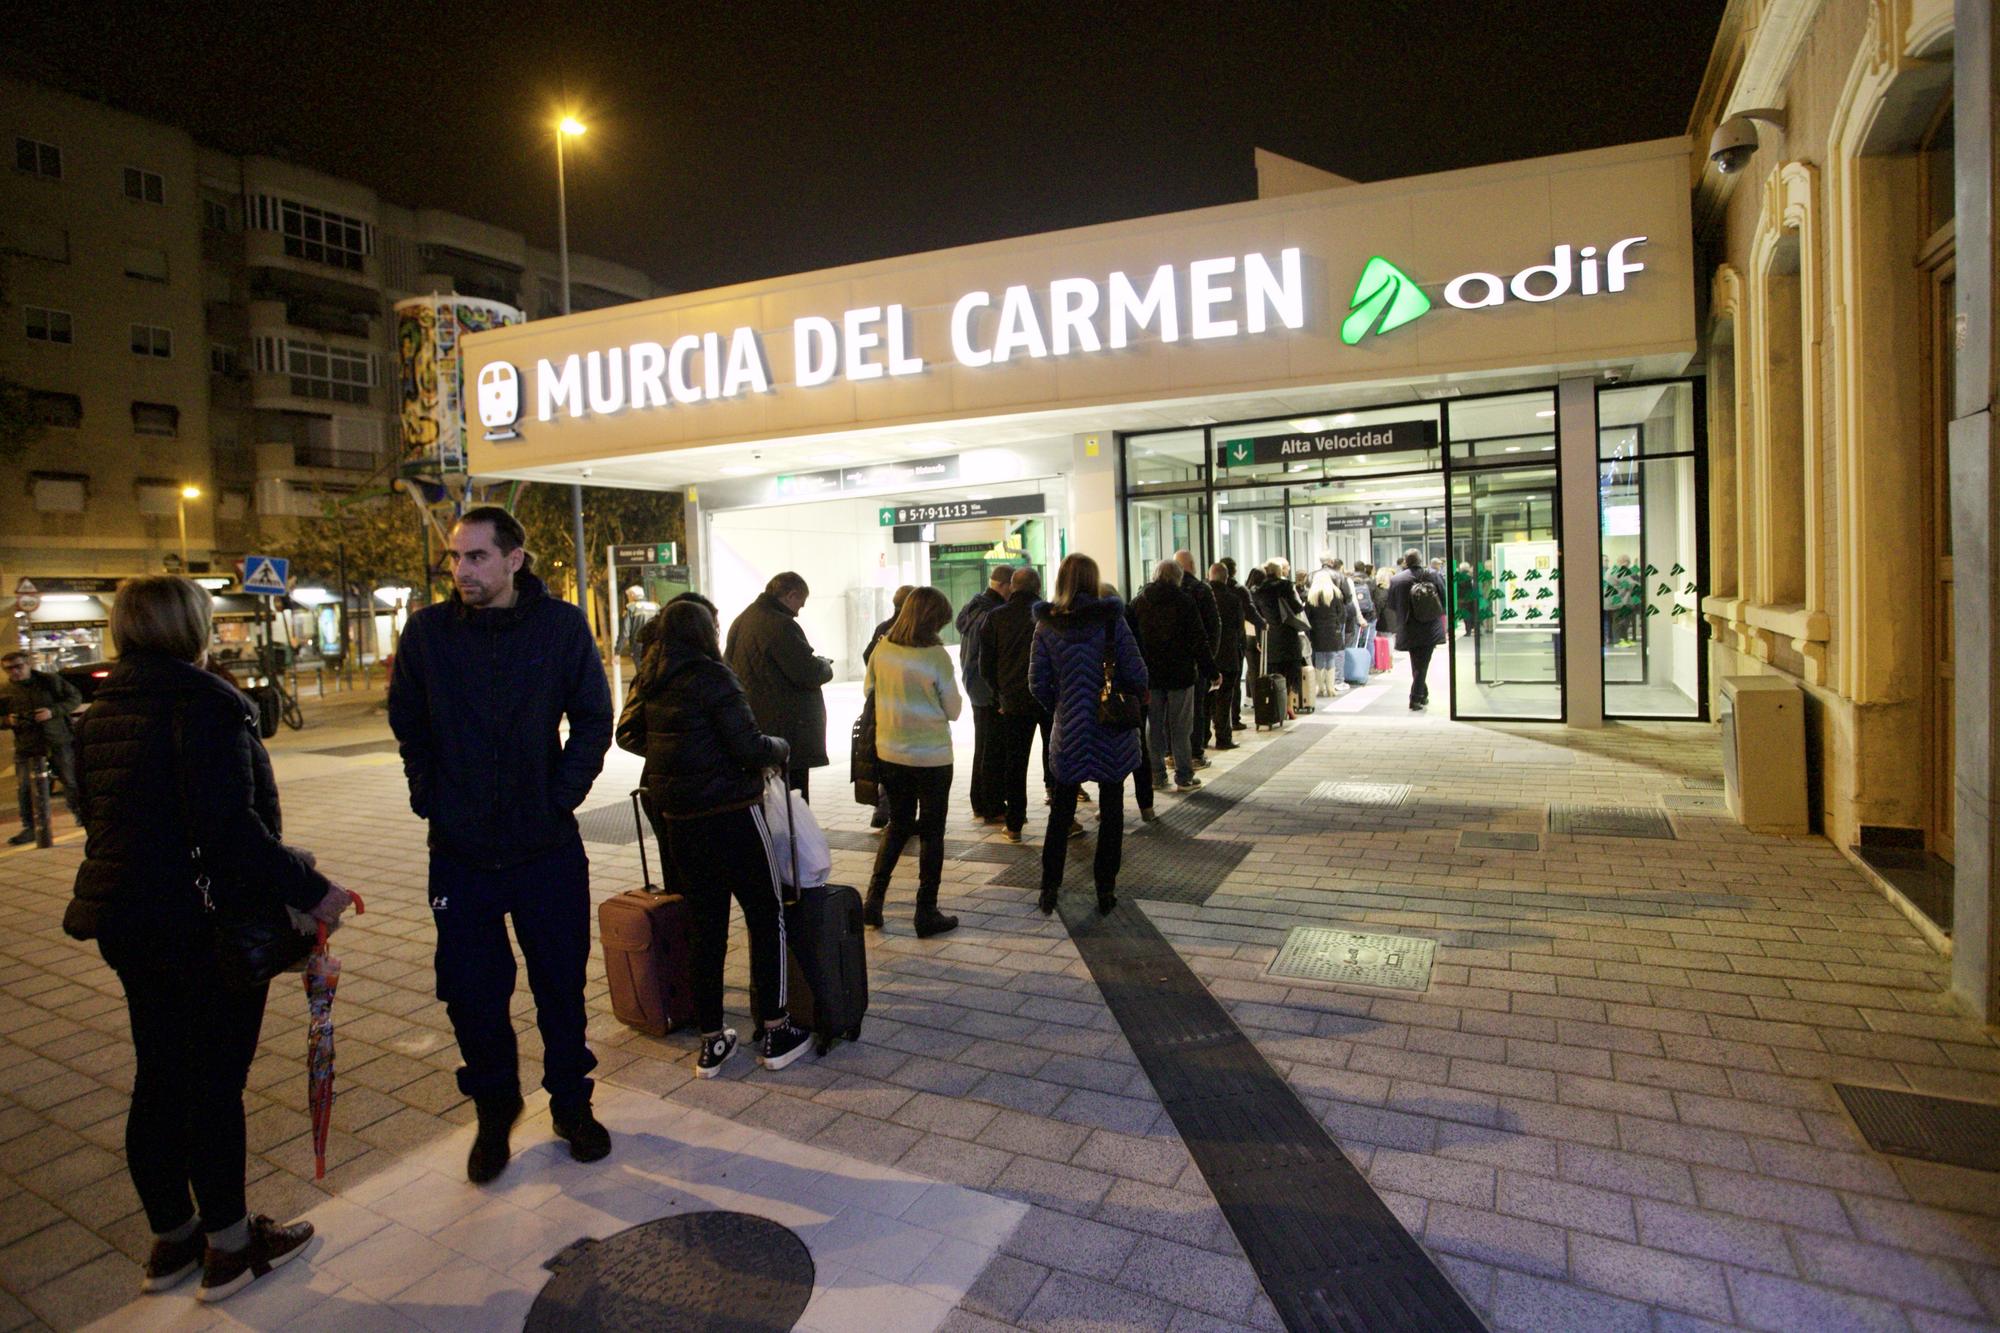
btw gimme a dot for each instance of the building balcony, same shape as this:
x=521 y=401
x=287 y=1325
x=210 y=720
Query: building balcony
x=269 y=250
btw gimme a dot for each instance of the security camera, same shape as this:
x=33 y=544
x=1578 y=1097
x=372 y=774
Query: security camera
x=1734 y=142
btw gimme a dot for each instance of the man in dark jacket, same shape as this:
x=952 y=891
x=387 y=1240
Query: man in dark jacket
x=481 y=685
x=1211 y=624
x=1006 y=641
x=1179 y=668
x=769 y=653
x=1228 y=654
x=1420 y=623
x=1253 y=624
x=38 y=705
x=987 y=803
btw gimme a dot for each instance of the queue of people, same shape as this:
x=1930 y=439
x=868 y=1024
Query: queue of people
x=502 y=715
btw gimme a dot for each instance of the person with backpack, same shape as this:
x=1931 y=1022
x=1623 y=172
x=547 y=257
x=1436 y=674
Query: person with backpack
x=1416 y=603
x=988 y=804
x=916 y=701
x=704 y=779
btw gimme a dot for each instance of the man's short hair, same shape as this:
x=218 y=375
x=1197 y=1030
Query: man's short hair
x=161 y=613
x=1167 y=571
x=1002 y=576
x=698 y=600
x=1025 y=579
x=1219 y=572
x=1413 y=559
x=1228 y=562
x=508 y=534
x=787 y=583
x=8 y=659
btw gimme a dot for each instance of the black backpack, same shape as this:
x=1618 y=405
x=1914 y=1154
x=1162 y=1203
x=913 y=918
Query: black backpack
x=1425 y=604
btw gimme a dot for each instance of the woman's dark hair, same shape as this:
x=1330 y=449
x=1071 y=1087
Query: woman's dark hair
x=1254 y=579
x=1076 y=580
x=925 y=612
x=689 y=624
x=900 y=596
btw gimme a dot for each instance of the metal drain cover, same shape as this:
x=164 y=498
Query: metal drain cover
x=1380 y=795
x=1610 y=821
x=727 y=1271
x=611 y=824
x=1358 y=958
x=1500 y=842
x=1935 y=1129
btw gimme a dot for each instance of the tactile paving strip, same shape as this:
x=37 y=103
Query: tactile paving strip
x=1374 y=795
x=1356 y=958
x=1935 y=1129
x=1329 y=1252
x=695 y=1270
x=1610 y=821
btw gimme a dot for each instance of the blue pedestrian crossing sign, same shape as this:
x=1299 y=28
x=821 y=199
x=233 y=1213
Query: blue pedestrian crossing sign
x=266 y=574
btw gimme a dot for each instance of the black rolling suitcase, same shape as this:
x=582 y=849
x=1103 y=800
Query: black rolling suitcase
x=827 y=967
x=1268 y=697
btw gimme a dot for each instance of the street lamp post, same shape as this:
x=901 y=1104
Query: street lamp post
x=570 y=127
x=181 y=512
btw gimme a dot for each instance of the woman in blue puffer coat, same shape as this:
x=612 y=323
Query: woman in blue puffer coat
x=1074 y=635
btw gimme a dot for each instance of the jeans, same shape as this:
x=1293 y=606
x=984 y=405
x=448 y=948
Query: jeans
x=1017 y=741
x=1110 y=833
x=62 y=766
x=986 y=798
x=549 y=898
x=1171 y=718
x=918 y=798
x=1222 y=708
x=1198 y=723
x=194 y=1039
x=719 y=857
x=1420 y=665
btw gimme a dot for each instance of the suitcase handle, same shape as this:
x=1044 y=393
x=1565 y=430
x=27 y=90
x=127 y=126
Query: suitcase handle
x=639 y=827
x=792 y=843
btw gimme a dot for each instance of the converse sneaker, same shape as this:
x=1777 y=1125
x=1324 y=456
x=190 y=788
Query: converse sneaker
x=1191 y=784
x=172 y=1260
x=715 y=1051
x=784 y=1042
x=226 y=1272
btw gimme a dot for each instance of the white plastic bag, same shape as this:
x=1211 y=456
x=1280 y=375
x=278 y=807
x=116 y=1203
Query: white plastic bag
x=790 y=819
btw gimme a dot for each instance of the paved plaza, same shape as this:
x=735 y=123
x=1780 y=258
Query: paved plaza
x=1611 y=1106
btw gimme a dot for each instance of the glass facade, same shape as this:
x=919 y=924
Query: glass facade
x=1473 y=485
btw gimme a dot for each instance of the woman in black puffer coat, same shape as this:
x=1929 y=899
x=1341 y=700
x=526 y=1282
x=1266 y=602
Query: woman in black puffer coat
x=169 y=764
x=1278 y=603
x=704 y=780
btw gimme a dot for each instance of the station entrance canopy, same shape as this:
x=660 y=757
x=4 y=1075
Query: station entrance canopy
x=1567 y=263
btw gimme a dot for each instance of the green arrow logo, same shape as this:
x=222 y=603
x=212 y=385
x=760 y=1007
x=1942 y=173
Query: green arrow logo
x=1386 y=293
x=1239 y=453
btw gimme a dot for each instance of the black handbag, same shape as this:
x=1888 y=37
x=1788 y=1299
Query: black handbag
x=864 y=765
x=252 y=931
x=1117 y=710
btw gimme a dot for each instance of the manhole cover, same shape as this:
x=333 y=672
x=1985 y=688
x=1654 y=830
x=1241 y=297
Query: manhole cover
x=1610 y=821
x=1382 y=795
x=1935 y=1129
x=1501 y=842
x=695 y=1270
x=1321 y=953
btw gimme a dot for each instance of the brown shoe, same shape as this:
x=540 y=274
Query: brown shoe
x=224 y=1273
x=171 y=1261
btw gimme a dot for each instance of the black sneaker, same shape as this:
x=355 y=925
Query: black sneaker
x=783 y=1043
x=589 y=1141
x=226 y=1272
x=1198 y=763
x=1191 y=783
x=715 y=1052
x=490 y=1149
x=22 y=839
x=171 y=1261
x=1147 y=815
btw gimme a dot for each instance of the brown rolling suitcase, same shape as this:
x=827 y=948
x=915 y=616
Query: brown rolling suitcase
x=647 y=956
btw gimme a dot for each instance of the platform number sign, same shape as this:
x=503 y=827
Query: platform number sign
x=268 y=574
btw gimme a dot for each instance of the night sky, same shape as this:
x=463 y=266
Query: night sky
x=731 y=142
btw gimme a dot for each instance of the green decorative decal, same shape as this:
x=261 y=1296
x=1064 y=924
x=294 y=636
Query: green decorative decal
x=1386 y=293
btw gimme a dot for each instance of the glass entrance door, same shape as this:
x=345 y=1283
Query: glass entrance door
x=1505 y=578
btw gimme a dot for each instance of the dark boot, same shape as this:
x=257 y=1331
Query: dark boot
x=490 y=1149
x=871 y=910
x=588 y=1140
x=930 y=921
x=1106 y=900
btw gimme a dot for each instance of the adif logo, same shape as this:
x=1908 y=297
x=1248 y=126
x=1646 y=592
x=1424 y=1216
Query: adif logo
x=1387 y=298
x=500 y=400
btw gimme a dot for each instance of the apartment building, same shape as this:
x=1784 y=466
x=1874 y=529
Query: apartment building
x=182 y=317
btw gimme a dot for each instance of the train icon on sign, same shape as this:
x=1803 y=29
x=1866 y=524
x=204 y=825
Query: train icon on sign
x=500 y=400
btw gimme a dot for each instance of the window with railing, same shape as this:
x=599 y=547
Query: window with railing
x=316 y=234
x=317 y=370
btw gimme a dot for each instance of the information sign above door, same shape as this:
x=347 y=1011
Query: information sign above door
x=953 y=511
x=1377 y=437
